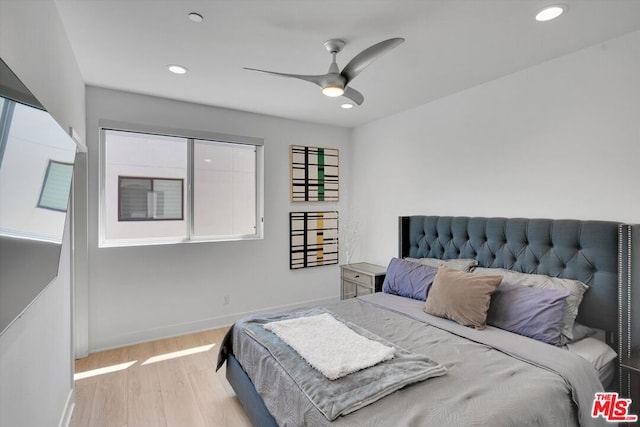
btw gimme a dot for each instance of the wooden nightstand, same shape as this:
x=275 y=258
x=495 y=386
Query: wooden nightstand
x=360 y=278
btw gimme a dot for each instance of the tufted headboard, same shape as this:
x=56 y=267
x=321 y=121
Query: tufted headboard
x=582 y=250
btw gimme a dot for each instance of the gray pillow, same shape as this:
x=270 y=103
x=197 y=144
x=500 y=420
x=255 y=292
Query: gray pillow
x=536 y=313
x=462 y=297
x=461 y=264
x=576 y=288
x=581 y=331
x=408 y=279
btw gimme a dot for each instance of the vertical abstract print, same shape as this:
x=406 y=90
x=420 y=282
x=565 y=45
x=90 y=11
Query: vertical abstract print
x=313 y=239
x=314 y=174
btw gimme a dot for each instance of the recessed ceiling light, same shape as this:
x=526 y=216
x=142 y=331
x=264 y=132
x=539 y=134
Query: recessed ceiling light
x=177 y=69
x=347 y=105
x=195 y=17
x=550 y=12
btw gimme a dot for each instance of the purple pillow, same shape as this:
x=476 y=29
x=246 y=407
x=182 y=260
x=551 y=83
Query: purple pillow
x=408 y=279
x=536 y=313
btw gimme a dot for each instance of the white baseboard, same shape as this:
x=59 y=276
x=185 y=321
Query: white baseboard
x=65 y=420
x=137 y=337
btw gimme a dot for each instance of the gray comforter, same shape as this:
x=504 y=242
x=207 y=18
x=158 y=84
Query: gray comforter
x=525 y=383
x=351 y=392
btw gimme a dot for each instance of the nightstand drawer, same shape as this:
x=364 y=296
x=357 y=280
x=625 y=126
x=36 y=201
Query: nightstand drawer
x=360 y=278
x=357 y=277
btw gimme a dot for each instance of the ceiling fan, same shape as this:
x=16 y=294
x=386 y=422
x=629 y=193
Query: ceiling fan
x=336 y=82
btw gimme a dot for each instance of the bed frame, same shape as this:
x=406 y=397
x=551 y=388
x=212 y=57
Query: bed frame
x=595 y=252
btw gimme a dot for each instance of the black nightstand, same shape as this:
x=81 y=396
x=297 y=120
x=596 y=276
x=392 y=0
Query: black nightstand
x=631 y=372
x=360 y=278
x=631 y=363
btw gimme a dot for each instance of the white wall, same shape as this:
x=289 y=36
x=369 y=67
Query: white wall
x=558 y=140
x=36 y=370
x=36 y=359
x=143 y=293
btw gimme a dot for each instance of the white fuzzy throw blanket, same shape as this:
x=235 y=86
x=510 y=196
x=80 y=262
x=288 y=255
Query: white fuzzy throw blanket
x=329 y=345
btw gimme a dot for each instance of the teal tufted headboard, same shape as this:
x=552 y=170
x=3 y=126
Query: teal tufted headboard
x=582 y=250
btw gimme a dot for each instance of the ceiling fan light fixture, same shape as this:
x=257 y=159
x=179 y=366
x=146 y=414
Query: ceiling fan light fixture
x=195 y=17
x=177 y=69
x=333 y=91
x=550 y=12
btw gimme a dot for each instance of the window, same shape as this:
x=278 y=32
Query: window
x=149 y=199
x=6 y=115
x=224 y=187
x=56 y=186
x=159 y=188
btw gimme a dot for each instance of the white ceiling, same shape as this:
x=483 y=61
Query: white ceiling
x=450 y=45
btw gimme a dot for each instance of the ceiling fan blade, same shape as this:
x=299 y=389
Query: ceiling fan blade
x=367 y=56
x=353 y=95
x=319 y=80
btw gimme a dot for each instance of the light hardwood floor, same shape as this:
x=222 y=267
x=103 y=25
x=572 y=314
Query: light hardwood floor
x=165 y=383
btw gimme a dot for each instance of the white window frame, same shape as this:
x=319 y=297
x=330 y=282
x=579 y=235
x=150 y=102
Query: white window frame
x=47 y=185
x=191 y=136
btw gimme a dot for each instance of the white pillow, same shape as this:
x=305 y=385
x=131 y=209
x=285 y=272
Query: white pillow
x=593 y=350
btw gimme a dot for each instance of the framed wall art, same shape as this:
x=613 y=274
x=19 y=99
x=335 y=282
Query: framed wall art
x=314 y=174
x=313 y=239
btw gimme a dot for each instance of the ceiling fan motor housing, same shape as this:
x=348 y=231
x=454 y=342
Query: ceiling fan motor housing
x=334 y=79
x=334 y=45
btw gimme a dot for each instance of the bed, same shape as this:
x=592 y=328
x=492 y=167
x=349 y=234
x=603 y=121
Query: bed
x=493 y=377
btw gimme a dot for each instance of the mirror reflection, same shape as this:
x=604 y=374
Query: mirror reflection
x=36 y=168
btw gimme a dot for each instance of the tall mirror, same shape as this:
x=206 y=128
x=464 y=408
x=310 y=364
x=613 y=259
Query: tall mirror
x=36 y=167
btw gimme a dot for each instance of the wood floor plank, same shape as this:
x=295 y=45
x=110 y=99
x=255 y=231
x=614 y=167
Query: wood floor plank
x=145 y=407
x=152 y=390
x=217 y=407
x=179 y=401
x=85 y=391
x=200 y=360
x=110 y=399
x=88 y=364
x=109 y=406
